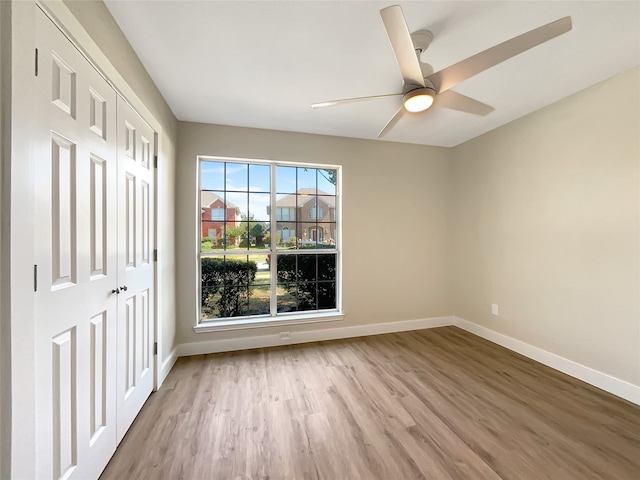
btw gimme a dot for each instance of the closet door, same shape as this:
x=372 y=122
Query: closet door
x=135 y=264
x=75 y=251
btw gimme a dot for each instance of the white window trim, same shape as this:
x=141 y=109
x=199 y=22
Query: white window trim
x=274 y=318
x=262 y=321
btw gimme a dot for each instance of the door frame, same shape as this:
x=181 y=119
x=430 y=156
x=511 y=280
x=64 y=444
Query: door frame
x=17 y=245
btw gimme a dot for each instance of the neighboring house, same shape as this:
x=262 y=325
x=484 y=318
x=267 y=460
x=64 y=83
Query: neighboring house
x=308 y=215
x=213 y=213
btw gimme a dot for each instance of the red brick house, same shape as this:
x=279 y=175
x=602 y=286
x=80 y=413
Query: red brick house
x=213 y=213
x=309 y=215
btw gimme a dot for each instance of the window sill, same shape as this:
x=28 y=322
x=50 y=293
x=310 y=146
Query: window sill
x=262 y=322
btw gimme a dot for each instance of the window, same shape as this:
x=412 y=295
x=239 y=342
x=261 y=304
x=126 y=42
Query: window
x=217 y=214
x=252 y=277
x=285 y=214
x=315 y=213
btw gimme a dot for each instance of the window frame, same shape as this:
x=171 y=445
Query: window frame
x=274 y=318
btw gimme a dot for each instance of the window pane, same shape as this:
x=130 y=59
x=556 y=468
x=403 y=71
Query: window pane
x=236 y=234
x=259 y=178
x=287 y=298
x=259 y=300
x=327 y=181
x=326 y=295
x=237 y=177
x=298 y=278
x=263 y=274
x=307 y=180
x=236 y=205
x=306 y=268
x=310 y=235
x=327 y=267
x=286 y=179
x=260 y=291
x=217 y=213
x=329 y=235
x=327 y=203
x=227 y=285
x=258 y=203
x=257 y=233
x=212 y=175
x=307 y=296
x=305 y=204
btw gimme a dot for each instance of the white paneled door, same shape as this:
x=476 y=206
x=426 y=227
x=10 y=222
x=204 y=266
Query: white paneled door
x=93 y=219
x=135 y=264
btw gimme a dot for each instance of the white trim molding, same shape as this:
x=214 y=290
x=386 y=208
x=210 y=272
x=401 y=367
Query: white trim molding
x=166 y=366
x=263 y=322
x=259 y=341
x=598 y=379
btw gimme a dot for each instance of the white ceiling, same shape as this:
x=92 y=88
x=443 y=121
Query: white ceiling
x=261 y=64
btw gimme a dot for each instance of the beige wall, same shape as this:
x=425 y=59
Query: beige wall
x=546 y=224
x=98 y=22
x=5 y=162
x=395 y=221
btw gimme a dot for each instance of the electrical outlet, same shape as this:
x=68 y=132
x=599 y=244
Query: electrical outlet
x=494 y=310
x=284 y=336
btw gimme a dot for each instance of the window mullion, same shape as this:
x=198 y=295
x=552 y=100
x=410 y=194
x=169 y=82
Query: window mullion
x=273 y=262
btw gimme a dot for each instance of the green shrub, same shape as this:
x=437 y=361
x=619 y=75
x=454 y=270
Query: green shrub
x=267 y=239
x=226 y=285
x=291 y=241
x=206 y=244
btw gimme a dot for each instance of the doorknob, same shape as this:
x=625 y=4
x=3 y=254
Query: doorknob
x=124 y=287
x=116 y=291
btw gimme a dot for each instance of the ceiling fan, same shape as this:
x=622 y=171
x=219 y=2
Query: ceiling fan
x=423 y=89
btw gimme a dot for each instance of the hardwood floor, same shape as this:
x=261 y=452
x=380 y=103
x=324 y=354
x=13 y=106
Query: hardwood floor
x=433 y=404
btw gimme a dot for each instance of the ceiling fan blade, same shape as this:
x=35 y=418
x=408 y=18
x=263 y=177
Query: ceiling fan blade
x=457 y=101
x=391 y=123
x=402 y=45
x=453 y=75
x=331 y=103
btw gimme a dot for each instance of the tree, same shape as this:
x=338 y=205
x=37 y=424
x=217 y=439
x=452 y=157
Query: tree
x=330 y=175
x=233 y=234
x=256 y=231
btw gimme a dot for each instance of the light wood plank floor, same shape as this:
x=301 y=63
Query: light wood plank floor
x=433 y=404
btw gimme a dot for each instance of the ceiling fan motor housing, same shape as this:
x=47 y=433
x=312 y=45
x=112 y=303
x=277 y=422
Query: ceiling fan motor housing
x=419 y=99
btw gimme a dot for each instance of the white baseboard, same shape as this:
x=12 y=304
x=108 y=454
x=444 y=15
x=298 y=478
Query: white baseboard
x=166 y=366
x=593 y=377
x=259 y=341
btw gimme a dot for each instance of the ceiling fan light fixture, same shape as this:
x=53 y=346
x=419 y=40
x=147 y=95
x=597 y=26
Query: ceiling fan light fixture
x=419 y=100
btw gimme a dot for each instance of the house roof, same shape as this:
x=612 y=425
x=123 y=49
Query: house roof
x=207 y=198
x=305 y=195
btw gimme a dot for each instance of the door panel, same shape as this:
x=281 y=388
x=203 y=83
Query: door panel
x=135 y=267
x=75 y=252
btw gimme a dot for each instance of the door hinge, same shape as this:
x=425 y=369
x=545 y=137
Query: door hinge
x=155 y=348
x=155 y=160
x=35 y=278
x=155 y=254
x=36 y=62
